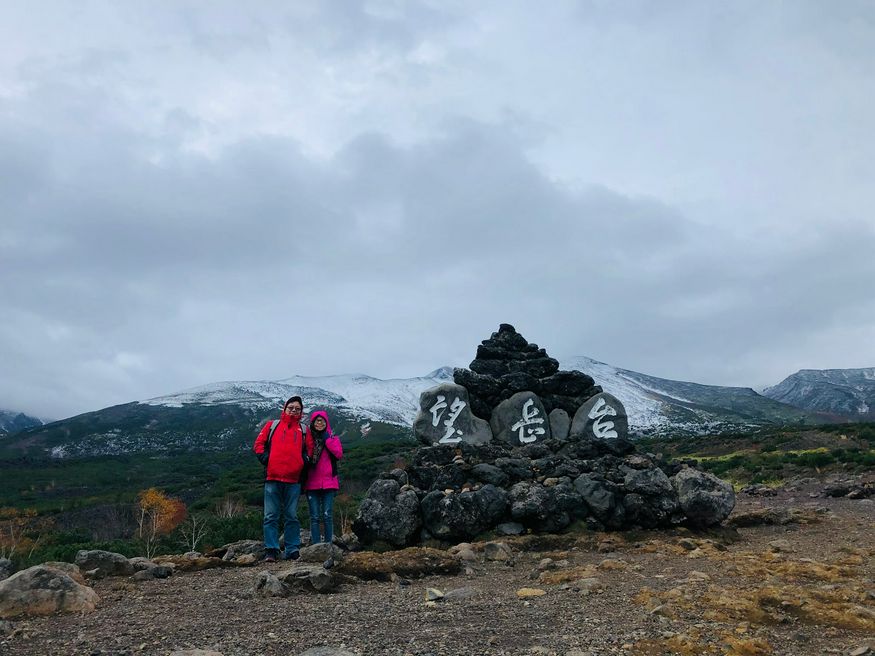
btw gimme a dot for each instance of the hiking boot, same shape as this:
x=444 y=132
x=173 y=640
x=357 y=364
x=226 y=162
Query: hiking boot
x=293 y=555
x=270 y=556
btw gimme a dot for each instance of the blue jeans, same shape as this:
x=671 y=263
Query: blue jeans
x=281 y=498
x=321 y=504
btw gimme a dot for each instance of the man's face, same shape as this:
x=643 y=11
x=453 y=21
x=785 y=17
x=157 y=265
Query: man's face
x=293 y=409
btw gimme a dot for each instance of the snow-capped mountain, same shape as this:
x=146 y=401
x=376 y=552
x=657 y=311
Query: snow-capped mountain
x=654 y=404
x=227 y=415
x=846 y=392
x=659 y=405
x=394 y=401
x=12 y=422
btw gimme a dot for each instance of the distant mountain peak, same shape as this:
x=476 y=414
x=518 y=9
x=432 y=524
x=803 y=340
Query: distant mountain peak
x=843 y=392
x=12 y=421
x=441 y=373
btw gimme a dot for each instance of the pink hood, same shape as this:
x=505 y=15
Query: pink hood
x=324 y=415
x=320 y=475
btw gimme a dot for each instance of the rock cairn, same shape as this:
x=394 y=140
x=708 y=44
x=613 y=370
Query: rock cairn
x=506 y=364
x=515 y=393
x=553 y=451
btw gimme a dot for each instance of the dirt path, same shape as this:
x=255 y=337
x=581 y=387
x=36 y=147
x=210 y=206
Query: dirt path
x=799 y=589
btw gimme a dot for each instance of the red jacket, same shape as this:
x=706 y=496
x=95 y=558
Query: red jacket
x=285 y=460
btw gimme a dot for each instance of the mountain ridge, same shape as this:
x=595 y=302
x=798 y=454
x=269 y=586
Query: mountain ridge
x=844 y=392
x=12 y=421
x=225 y=415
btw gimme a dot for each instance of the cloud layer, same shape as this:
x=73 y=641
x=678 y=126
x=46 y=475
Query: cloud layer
x=190 y=197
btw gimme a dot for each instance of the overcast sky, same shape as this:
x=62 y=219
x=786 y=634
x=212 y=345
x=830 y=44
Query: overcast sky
x=201 y=191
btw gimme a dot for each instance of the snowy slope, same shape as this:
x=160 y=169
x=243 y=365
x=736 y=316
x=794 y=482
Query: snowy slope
x=394 y=401
x=223 y=416
x=642 y=407
x=654 y=405
x=659 y=405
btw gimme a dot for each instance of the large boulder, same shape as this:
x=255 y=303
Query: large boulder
x=486 y=473
x=545 y=509
x=6 y=568
x=521 y=419
x=308 y=578
x=320 y=552
x=704 y=499
x=602 y=498
x=650 y=499
x=234 y=550
x=445 y=417
x=103 y=563
x=651 y=482
x=299 y=579
x=69 y=569
x=410 y=562
x=268 y=585
x=463 y=515
x=42 y=590
x=388 y=514
x=602 y=417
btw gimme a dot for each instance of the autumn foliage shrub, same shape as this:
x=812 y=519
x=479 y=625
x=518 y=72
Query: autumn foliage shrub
x=157 y=515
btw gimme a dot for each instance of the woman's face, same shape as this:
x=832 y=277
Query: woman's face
x=319 y=424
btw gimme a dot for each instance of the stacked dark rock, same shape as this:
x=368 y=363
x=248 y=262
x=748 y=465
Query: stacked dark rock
x=455 y=493
x=506 y=364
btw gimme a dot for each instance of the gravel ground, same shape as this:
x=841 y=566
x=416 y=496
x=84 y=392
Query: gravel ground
x=216 y=609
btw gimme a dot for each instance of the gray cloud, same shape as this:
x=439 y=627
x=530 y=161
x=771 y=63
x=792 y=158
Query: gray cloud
x=159 y=235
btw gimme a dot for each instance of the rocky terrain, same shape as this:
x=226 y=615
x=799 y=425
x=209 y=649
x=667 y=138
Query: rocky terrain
x=791 y=573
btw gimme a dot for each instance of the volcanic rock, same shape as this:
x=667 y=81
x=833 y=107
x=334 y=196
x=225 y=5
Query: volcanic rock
x=602 y=417
x=521 y=419
x=107 y=563
x=506 y=364
x=388 y=514
x=465 y=514
x=445 y=417
x=560 y=424
x=42 y=590
x=705 y=499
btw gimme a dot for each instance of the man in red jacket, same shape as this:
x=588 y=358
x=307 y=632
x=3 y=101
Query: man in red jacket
x=283 y=447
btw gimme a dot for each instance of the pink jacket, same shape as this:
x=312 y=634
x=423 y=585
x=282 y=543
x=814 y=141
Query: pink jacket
x=320 y=476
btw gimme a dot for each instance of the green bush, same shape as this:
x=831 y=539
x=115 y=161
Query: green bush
x=222 y=531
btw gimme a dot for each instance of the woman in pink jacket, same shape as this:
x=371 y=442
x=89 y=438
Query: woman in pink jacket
x=322 y=483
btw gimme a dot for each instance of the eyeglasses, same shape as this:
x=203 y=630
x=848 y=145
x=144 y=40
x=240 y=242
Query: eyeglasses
x=294 y=409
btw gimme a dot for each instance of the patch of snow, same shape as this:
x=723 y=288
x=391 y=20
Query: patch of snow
x=644 y=411
x=394 y=401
